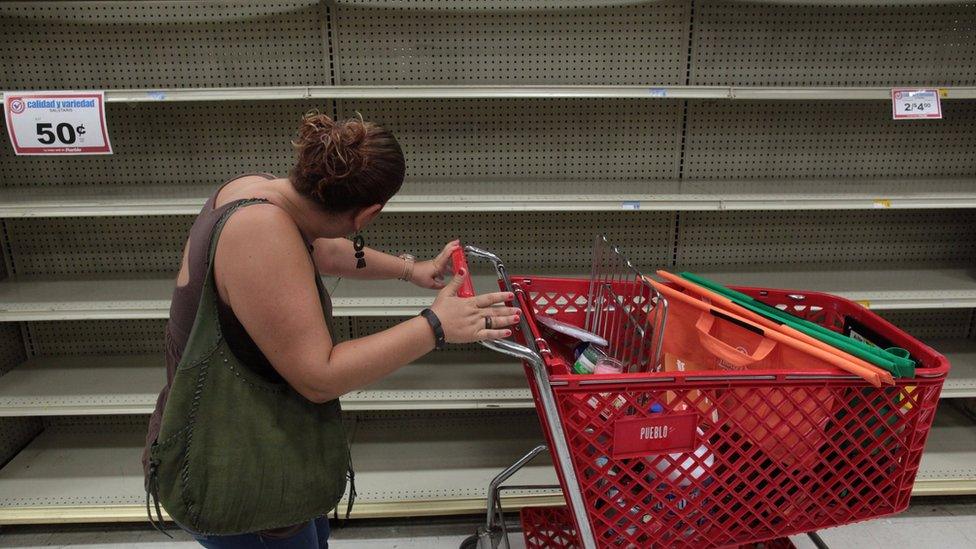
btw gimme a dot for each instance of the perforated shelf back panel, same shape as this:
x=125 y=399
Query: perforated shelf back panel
x=361 y=326
x=825 y=139
x=868 y=43
x=812 y=239
x=62 y=247
x=511 y=42
x=448 y=141
x=932 y=325
x=179 y=143
x=15 y=432
x=98 y=337
x=190 y=144
x=121 y=246
x=177 y=44
x=12 y=350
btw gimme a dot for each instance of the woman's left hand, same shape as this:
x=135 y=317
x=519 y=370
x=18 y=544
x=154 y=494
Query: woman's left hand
x=431 y=274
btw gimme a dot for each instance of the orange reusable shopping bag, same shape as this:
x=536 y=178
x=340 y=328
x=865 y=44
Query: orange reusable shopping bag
x=786 y=423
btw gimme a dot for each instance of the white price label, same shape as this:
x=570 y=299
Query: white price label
x=58 y=123
x=915 y=103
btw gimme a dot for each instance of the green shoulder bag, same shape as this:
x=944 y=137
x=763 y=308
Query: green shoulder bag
x=237 y=453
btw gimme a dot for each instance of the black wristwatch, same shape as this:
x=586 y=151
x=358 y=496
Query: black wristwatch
x=435 y=324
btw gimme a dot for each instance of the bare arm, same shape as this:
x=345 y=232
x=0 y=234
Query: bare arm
x=264 y=273
x=336 y=257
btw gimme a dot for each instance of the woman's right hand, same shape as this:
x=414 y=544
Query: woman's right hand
x=463 y=318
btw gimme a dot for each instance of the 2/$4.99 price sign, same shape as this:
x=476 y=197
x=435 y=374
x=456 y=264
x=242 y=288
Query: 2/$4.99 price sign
x=57 y=123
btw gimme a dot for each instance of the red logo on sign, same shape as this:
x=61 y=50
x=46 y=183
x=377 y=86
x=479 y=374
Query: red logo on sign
x=659 y=434
x=17 y=106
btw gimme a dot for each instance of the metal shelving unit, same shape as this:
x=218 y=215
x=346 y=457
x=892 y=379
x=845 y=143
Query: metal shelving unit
x=649 y=91
x=962 y=356
x=90 y=472
x=739 y=140
x=470 y=380
x=532 y=196
x=129 y=384
x=141 y=298
x=947 y=466
x=82 y=473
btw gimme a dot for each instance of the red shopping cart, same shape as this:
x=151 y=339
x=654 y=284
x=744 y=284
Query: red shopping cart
x=655 y=458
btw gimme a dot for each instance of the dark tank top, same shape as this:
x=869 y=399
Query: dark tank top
x=183 y=312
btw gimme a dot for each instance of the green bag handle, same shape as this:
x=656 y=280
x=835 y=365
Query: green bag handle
x=894 y=360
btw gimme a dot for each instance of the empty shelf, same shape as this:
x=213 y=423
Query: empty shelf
x=103 y=385
x=874 y=288
x=442 y=465
x=962 y=359
x=92 y=385
x=949 y=463
x=486 y=196
x=90 y=298
x=85 y=298
x=649 y=91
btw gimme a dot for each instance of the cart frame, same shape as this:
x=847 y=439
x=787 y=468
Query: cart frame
x=922 y=391
x=491 y=534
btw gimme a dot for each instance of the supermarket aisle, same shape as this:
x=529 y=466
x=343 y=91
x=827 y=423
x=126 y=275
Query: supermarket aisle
x=933 y=523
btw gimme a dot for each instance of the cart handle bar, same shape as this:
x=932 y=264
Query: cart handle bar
x=503 y=346
x=560 y=450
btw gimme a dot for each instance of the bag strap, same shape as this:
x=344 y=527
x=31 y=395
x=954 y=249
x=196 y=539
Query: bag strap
x=205 y=335
x=726 y=352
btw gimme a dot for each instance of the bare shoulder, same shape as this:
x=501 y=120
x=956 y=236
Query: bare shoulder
x=262 y=236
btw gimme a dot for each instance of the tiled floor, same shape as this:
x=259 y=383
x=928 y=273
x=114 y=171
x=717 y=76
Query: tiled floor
x=929 y=524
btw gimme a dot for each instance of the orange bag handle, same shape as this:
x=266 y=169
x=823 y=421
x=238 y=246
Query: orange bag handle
x=727 y=352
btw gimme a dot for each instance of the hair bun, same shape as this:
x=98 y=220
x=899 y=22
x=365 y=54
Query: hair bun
x=338 y=145
x=347 y=164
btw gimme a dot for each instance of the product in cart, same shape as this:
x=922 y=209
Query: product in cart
x=573 y=331
x=706 y=334
x=587 y=358
x=734 y=308
x=895 y=360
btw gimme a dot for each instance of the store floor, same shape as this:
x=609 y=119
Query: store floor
x=931 y=523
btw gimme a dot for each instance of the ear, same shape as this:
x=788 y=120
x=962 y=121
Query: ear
x=366 y=215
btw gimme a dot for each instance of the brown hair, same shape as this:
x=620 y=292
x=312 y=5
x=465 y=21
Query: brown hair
x=346 y=165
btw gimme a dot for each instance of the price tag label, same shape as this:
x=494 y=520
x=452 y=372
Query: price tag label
x=909 y=103
x=57 y=123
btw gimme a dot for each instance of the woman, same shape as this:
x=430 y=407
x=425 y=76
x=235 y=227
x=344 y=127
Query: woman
x=245 y=448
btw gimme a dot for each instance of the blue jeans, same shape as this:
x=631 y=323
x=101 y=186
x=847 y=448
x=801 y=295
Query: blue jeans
x=315 y=535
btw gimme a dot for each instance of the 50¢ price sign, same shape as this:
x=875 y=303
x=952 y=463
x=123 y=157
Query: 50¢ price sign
x=60 y=123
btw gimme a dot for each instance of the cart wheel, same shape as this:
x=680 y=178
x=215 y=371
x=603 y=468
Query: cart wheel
x=470 y=542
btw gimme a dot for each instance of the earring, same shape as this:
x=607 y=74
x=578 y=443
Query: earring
x=358 y=244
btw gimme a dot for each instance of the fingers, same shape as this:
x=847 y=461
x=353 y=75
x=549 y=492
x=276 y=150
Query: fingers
x=449 y=248
x=493 y=334
x=444 y=258
x=504 y=321
x=452 y=287
x=499 y=311
x=487 y=300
